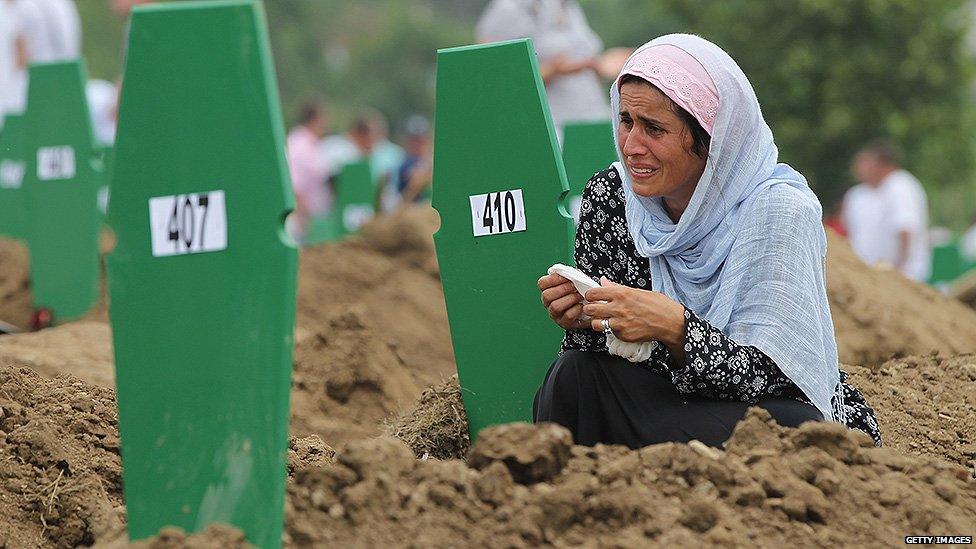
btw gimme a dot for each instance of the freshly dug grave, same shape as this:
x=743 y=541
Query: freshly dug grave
x=926 y=406
x=15 y=296
x=879 y=314
x=819 y=485
x=59 y=460
x=347 y=377
x=402 y=302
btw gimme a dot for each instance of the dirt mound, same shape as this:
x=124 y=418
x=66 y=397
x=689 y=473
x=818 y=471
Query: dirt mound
x=215 y=536
x=347 y=378
x=406 y=235
x=879 y=314
x=926 y=405
x=82 y=349
x=437 y=426
x=59 y=456
x=403 y=303
x=15 y=296
x=813 y=486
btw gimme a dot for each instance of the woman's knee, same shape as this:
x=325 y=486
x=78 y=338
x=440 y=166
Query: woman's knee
x=790 y=413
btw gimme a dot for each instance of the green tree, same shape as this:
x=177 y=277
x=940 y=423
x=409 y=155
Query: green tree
x=834 y=74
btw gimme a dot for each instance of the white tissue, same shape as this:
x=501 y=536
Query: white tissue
x=634 y=352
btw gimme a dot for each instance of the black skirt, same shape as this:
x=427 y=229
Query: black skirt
x=603 y=398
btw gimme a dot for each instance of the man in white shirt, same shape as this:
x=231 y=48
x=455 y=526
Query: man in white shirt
x=886 y=215
x=568 y=51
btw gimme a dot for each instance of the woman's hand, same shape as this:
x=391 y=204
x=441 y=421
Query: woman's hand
x=637 y=315
x=564 y=303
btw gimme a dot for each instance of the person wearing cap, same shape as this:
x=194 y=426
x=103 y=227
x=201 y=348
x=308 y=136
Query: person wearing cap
x=707 y=249
x=416 y=170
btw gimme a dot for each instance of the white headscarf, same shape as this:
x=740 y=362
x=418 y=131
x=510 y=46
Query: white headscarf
x=748 y=252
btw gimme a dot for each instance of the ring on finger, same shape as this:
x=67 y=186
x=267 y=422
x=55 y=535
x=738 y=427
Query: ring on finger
x=606 y=326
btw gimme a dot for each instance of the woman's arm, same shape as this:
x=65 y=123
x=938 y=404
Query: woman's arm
x=717 y=367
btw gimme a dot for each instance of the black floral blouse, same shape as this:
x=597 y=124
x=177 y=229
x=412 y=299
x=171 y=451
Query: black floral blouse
x=715 y=366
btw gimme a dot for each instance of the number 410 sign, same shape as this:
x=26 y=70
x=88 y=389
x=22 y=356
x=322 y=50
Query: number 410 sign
x=188 y=223
x=497 y=213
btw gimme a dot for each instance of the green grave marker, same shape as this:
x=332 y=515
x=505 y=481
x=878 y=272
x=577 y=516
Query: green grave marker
x=357 y=196
x=498 y=187
x=13 y=168
x=587 y=148
x=60 y=190
x=202 y=281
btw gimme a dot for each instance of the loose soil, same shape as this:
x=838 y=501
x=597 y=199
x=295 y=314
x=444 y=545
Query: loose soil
x=879 y=314
x=522 y=485
x=15 y=297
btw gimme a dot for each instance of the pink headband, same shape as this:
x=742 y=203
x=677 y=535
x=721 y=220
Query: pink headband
x=680 y=76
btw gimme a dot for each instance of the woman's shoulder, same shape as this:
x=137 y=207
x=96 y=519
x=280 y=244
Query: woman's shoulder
x=784 y=203
x=608 y=174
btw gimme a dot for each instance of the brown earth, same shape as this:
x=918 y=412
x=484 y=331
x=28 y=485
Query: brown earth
x=82 y=349
x=522 y=485
x=819 y=485
x=59 y=456
x=879 y=314
x=15 y=297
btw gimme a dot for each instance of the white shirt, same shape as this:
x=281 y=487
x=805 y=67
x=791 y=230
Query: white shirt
x=52 y=29
x=875 y=216
x=13 y=79
x=557 y=28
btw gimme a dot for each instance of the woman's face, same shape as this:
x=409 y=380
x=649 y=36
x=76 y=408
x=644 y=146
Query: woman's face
x=657 y=146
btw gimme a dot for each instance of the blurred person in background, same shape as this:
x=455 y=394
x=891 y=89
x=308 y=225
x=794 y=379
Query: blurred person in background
x=309 y=171
x=567 y=48
x=12 y=57
x=34 y=31
x=355 y=144
x=416 y=170
x=886 y=214
x=103 y=98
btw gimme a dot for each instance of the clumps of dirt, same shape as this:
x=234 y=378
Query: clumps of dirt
x=406 y=235
x=437 y=426
x=347 y=378
x=83 y=349
x=879 y=314
x=813 y=486
x=402 y=302
x=926 y=405
x=59 y=458
x=964 y=289
x=15 y=295
x=308 y=452
x=215 y=536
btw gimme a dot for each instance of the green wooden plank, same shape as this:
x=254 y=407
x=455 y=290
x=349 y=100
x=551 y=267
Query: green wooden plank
x=60 y=189
x=495 y=135
x=588 y=148
x=13 y=168
x=203 y=337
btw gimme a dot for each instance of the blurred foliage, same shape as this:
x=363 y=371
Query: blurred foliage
x=834 y=74
x=831 y=75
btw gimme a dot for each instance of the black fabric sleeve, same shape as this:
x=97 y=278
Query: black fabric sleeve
x=717 y=367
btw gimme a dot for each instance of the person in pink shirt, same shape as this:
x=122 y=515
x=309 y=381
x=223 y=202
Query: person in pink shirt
x=309 y=171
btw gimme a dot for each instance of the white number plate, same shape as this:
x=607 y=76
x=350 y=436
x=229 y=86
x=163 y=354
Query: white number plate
x=188 y=223
x=55 y=163
x=497 y=213
x=11 y=174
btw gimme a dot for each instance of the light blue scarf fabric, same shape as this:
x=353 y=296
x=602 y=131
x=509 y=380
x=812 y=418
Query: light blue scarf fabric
x=748 y=253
